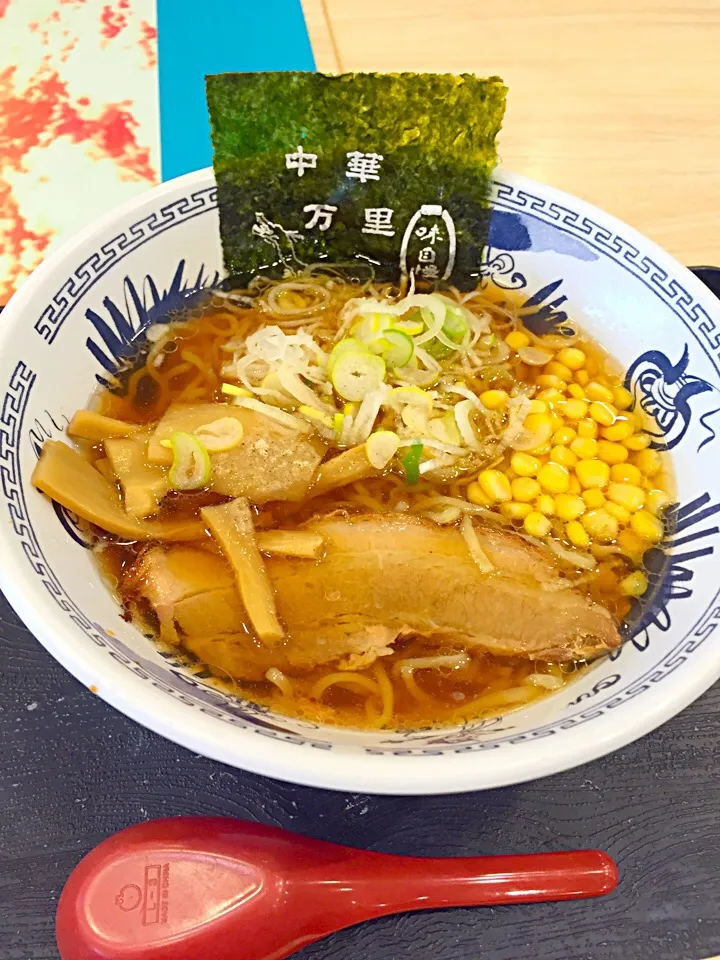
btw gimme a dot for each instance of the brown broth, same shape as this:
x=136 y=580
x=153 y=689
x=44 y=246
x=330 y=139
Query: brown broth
x=486 y=685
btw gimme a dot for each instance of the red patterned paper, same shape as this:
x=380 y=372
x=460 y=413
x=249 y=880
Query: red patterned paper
x=79 y=126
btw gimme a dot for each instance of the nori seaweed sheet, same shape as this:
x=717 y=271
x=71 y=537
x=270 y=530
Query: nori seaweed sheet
x=435 y=134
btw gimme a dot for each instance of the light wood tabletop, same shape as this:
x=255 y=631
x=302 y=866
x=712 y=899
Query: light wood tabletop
x=616 y=101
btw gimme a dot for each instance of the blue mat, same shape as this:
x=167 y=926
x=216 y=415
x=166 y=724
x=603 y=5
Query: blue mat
x=217 y=36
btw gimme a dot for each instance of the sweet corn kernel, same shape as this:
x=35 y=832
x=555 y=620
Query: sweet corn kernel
x=558 y=370
x=622 y=398
x=495 y=485
x=494 y=399
x=516 y=339
x=593 y=473
x=602 y=413
x=541 y=450
x=648 y=462
x=525 y=489
x=584 y=448
x=634 y=585
x=564 y=456
x=575 y=485
x=594 y=498
x=545 y=504
x=538 y=427
x=627 y=495
x=582 y=377
x=621 y=514
x=638 y=441
x=625 y=473
x=536 y=524
x=569 y=506
x=574 y=409
x=620 y=430
x=554 y=478
x=612 y=452
x=538 y=406
x=632 y=545
x=657 y=501
x=571 y=357
x=576 y=391
x=597 y=391
x=522 y=371
x=476 y=495
x=551 y=396
x=587 y=429
x=524 y=465
x=550 y=380
x=514 y=510
x=564 y=436
x=600 y=525
x=647 y=526
x=577 y=534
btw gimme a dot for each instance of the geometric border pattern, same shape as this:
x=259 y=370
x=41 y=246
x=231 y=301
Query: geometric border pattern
x=86 y=275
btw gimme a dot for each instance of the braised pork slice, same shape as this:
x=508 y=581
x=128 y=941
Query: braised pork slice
x=271 y=462
x=381 y=577
x=386 y=576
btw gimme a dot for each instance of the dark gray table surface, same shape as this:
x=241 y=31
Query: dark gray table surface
x=73 y=771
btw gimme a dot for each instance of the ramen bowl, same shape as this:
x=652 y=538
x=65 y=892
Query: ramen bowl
x=77 y=314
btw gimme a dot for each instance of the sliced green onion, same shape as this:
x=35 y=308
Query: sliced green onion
x=232 y=391
x=372 y=325
x=455 y=331
x=400 y=396
x=381 y=447
x=317 y=416
x=411 y=325
x=456 y=325
x=415 y=419
x=411 y=462
x=349 y=343
x=356 y=374
x=190 y=468
x=432 y=310
x=395 y=347
x=220 y=435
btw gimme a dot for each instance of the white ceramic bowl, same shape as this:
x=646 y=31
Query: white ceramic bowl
x=76 y=314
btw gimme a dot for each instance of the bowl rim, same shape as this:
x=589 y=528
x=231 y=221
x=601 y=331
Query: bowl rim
x=338 y=769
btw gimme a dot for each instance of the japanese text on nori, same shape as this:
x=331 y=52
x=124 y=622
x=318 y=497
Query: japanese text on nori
x=388 y=168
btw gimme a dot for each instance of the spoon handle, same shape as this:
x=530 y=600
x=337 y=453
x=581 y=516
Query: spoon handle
x=416 y=883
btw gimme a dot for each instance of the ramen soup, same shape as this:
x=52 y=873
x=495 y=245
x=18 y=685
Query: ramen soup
x=366 y=506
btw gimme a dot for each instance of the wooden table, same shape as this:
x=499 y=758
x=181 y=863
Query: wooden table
x=616 y=101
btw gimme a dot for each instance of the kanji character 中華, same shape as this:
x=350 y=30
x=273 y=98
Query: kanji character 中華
x=300 y=161
x=363 y=166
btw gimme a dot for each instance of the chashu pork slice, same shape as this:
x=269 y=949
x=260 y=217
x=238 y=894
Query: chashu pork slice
x=386 y=576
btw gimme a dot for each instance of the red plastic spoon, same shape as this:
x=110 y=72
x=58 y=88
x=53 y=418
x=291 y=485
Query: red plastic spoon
x=206 y=888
